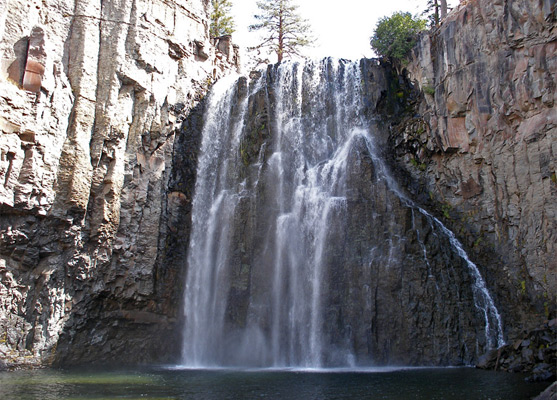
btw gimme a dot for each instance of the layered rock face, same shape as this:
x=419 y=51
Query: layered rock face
x=484 y=145
x=90 y=95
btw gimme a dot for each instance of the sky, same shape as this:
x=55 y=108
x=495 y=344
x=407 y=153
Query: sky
x=342 y=27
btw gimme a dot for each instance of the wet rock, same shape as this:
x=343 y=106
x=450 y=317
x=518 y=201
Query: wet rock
x=534 y=354
x=548 y=394
x=389 y=294
x=542 y=372
x=488 y=359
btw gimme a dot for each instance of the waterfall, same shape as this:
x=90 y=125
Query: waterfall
x=300 y=238
x=482 y=298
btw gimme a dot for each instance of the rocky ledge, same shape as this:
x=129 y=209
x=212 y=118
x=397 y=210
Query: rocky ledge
x=535 y=354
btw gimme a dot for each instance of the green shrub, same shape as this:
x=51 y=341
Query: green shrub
x=429 y=90
x=222 y=22
x=446 y=209
x=395 y=36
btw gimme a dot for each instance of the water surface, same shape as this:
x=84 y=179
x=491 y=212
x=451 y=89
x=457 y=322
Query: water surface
x=175 y=383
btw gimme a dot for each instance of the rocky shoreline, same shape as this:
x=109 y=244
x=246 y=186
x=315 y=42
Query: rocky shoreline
x=534 y=354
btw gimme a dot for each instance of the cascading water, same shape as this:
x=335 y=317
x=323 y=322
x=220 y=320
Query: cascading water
x=303 y=251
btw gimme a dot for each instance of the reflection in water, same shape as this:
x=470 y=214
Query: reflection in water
x=168 y=383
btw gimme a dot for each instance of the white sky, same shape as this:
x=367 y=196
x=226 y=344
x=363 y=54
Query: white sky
x=342 y=27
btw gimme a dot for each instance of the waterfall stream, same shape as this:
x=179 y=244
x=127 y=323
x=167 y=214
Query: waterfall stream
x=300 y=252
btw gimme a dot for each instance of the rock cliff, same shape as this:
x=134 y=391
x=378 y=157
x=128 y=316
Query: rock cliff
x=95 y=198
x=90 y=94
x=482 y=144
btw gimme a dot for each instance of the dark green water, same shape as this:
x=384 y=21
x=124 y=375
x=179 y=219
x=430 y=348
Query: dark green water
x=160 y=383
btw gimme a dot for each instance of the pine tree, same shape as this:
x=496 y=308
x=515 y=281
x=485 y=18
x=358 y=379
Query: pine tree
x=436 y=11
x=285 y=32
x=443 y=8
x=221 y=21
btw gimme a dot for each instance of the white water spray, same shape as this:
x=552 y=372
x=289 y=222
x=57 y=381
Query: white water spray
x=268 y=304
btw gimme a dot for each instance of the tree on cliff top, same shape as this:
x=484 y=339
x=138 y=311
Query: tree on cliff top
x=395 y=36
x=436 y=10
x=285 y=32
x=221 y=21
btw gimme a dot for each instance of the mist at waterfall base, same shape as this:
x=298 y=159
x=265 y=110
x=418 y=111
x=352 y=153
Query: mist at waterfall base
x=304 y=251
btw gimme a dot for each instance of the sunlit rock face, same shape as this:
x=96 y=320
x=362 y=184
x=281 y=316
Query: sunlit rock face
x=303 y=251
x=485 y=138
x=91 y=93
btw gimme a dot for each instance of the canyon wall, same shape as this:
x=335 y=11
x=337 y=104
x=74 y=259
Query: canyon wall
x=90 y=94
x=482 y=141
x=95 y=199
